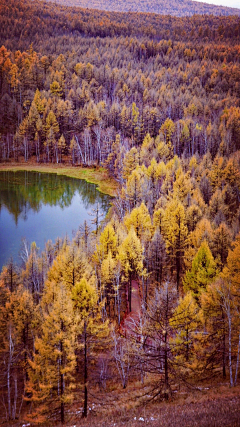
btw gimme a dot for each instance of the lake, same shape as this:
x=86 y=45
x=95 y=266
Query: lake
x=41 y=207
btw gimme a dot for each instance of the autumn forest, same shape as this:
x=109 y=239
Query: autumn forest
x=148 y=297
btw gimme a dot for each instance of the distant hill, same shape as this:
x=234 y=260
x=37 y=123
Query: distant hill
x=162 y=7
x=25 y=22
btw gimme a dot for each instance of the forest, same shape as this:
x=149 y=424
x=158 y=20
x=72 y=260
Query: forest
x=151 y=296
x=162 y=7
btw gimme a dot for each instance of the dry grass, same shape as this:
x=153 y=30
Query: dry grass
x=98 y=176
x=211 y=406
x=216 y=407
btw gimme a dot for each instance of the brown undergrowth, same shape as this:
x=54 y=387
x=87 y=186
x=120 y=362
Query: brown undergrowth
x=212 y=405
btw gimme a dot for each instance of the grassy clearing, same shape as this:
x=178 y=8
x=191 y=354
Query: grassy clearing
x=98 y=176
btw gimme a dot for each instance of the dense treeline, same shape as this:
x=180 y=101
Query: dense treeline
x=153 y=291
x=75 y=93
x=23 y=22
x=162 y=7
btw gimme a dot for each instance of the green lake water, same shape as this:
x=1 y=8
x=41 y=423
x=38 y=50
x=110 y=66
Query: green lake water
x=42 y=206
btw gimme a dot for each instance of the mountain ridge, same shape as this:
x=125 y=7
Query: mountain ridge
x=177 y=8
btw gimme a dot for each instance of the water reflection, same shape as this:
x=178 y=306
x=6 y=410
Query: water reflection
x=23 y=190
x=42 y=206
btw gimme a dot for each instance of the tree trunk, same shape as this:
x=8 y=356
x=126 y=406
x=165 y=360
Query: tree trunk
x=85 y=373
x=224 y=351
x=9 y=373
x=236 y=372
x=62 y=379
x=166 y=366
x=230 y=346
x=130 y=293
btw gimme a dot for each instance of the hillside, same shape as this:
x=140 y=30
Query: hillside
x=26 y=22
x=161 y=7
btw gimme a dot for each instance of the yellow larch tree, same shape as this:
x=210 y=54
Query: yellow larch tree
x=175 y=233
x=51 y=380
x=130 y=254
x=93 y=329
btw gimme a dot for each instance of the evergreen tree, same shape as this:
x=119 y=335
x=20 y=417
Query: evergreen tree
x=131 y=258
x=202 y=273
x=51 y=380
x=185 y=322
x=175 y=234
x=93 y=329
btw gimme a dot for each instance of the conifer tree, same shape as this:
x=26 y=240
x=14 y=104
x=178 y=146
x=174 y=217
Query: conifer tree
x=51 y=371
x=185 y=321
x=229 y=291
x=221 y=244
x=131 y=257
x=131 y=161
x=156 y=356
x=157 y=258
x=175 y=234
x=202 y=273
x=107 y=279
x=139 y=219
x=70 y=265
x=16 y=344
x=214 y=322
x=93 y=329
x=136 y=187
x=108 y=241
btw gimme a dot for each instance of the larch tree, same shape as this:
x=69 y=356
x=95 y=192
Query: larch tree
x=214 y=323
x=202 y=273
x=70 y=265
x=175 y=234
x=108 y=268
x=154 y=353
x=185 y=323
x=131 y=257
x=136 y=187
x=202 y=232
x=131 y=161
x=93 y=328
x=52 y=130
x=221 y=244
x=229 y=301
x=8 y=354
x=16 y=344
x=139 y=219
x=107 y=241
x=156 y=254
x=51 y=380
x=229 y=291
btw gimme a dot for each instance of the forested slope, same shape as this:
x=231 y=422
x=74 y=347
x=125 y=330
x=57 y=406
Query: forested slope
x=162 y=7
x=26 y=21
x=130 y=84
x=155 y=101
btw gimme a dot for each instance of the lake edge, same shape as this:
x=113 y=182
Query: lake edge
x=99 y=177
x=53 y=177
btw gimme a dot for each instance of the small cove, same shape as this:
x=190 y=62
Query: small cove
x=43 y=206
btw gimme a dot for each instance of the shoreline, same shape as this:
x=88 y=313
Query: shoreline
x=97 y=176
